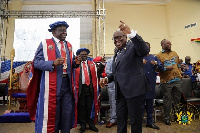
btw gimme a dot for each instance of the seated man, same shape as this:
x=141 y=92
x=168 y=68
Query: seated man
x=189 y=71
x=112 y=100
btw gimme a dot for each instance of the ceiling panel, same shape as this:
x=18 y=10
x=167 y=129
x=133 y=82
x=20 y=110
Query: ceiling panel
x=122 y=1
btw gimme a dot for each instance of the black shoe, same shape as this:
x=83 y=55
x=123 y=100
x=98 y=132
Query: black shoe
x=93 y=128
x=82 y=129
x=167 y=122
x=152 y=126
x=129 y=121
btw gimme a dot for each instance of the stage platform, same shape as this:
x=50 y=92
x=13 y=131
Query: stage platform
x=29 y=127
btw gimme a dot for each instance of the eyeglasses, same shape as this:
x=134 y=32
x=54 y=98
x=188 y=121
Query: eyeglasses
x=83 y=54
x=61 y=30
x=118 y=37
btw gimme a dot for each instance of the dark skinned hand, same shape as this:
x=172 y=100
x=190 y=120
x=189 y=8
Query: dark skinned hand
x=124 y=28
x=103 y=82
x=58 y=61
x=169 y=68
x=78 y=59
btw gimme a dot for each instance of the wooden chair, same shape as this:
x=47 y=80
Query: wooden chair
x=19 y=95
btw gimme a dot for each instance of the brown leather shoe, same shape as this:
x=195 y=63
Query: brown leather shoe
x=109 y=125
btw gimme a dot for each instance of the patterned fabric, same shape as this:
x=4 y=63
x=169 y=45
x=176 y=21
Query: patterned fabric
x=63 y=54
x=169 y=59
x=15 y=81
x=5 y=69
x=197 y=66
x=189 y=71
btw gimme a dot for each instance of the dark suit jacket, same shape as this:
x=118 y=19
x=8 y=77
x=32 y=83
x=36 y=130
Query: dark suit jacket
x=128 y=70
x=150 y=71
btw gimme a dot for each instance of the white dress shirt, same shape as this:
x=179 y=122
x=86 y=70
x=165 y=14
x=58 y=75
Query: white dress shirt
x=83 y=74
x=58 y=44
x=59 y=48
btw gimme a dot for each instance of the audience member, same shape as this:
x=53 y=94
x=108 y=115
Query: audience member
x=151 y=64
x=197 y=66
x=100 y=64
x=86 y=83
x=170 y=78
x=189 y=71
x=181 y=66
x=111 y=92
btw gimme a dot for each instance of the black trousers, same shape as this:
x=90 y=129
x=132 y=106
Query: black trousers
x=149 y=110
x=131 y=107
x=85 y=106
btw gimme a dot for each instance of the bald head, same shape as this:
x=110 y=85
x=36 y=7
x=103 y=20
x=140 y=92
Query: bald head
x=187 y=59
x=166 y=45
x=119 y=39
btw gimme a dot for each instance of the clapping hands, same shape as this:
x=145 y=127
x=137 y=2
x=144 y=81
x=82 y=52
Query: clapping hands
x=103 y=82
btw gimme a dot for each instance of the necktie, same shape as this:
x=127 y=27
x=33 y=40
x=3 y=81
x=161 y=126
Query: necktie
x=63 y=55
x=87 y=80
x=118 y=55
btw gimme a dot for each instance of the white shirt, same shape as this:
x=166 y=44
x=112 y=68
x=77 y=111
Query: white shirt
x=83 y=74
x=59 y=47
x=132 y=35
x=58 y=44
x=198 y=77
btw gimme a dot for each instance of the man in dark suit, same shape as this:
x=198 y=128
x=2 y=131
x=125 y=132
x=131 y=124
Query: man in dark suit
x=151 y=65
x=129 y=77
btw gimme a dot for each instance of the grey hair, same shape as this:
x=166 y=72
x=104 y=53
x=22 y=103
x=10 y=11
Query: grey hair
x=187 y=57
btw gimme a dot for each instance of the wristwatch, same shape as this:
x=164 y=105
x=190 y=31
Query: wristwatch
x=53 y=67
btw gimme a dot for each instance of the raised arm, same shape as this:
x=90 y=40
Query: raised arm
x=139 y=43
